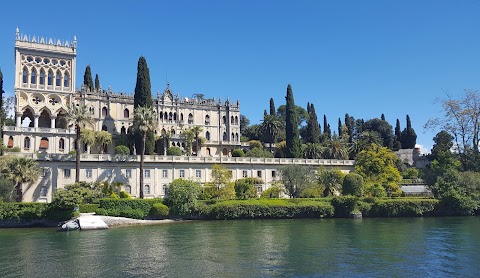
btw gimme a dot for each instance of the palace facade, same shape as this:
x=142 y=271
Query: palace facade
x=45 y=76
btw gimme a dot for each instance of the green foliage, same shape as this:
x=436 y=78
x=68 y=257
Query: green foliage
x=255 y=144
x=238 y=153
x=295 y=179
x=403 y=207
x=124 y=195
x=12 y=150
x=455 y=203
x=97 y=82
x=6 y=190
x=76 y=194
x=131 y=208
x=312 y=191
x=33 y=211
x=378 y=166
x=159 y=211
x=344 y=205
x=87 y=79
x=313 y=151
x=443 y=143
x=174 y=151
x=19 y=170
x=143 y=98
x=182 y=196
x=353 y=184
x=331 y=180
x=272 y=192
x=122 y=150
x=375 y=190
x=245 y=188
x=313 y=128
x=88 y=207
x=383 y=128
x=294 y=148
x=269 y=208
x=272 y=107
x=408 y=137
x=259 y=152
x=410 y=173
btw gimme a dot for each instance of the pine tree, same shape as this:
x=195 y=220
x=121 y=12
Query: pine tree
x=408 y=136
x=143 y=98
x=313 y=128
x=97 y=82
x=272 y=107
x=87 y=78
x=293 y=146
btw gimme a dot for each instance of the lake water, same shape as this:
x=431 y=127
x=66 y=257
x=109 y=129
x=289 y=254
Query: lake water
x=401 y=247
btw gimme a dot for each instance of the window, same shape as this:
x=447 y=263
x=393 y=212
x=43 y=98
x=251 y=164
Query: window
x=182 y=173
x=164 y=173
x=128 y=189
x=198 y=173
x=61 y=144
x=274 y=174
x=259 y=173
x=66 y=173
x=42 y=77
x=33 y=78
x=224 y=136
x=88 y=173
x=25 y=76
x=207 y=135
x=43 y=191
x=58 y=79
x=207 y=120
x=259 y=188
x=104 y=112
x=146 y=173
x=10 y=142
x=44 y=143
x=244 y=174
x=232 y=120
x=26 y=143
x=128 y=173
x=224 y=120
x=146 y=189
x=50 y=78
x=190 y=118
x=165 y=189
x=66 y=80
x=126 y=113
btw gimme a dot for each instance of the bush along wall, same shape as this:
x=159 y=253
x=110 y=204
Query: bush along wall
x=131 y=208
x=32 y=214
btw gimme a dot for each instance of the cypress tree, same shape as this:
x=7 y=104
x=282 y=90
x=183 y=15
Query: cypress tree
x=97 y=82
x=272 y=107
x=87 y=78
x=350 y=123
x=329 y=132
x=340 y=128
x=143 y=97
x=2 y=111
x=398 y=133
x=382 y=117
x=325 y=124
x=264 y=112
x=313 y=128
x=293 y=146
x=408 y=136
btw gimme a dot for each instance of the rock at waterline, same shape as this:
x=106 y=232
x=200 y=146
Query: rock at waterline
x=85 y=222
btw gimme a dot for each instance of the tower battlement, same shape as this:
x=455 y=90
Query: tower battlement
x=47 y=44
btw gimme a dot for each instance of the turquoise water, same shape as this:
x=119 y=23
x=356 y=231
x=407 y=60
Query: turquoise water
x=401 y=247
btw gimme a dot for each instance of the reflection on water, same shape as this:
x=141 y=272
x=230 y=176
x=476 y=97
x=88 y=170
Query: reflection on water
x=402 y=247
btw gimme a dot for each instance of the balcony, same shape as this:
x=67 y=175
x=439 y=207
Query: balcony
x=42 y=130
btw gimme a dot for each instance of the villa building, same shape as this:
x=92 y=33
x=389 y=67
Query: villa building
x=45 y=78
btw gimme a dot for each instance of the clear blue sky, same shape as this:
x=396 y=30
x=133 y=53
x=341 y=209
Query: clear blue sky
x=364 y=58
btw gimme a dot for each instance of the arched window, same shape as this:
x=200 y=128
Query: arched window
x=61 y=144
x=236 y=120
x=208 y=152
x=224 y=120
x=146 y=189
x=104 y=127
x=170 y=116
x=207 y=120
x=173 y=131
x=161 y=116
x=42 y=77
x=66 y=80
x=207 y=135
x=58 y=79
x=128 y=189
x=181 y=117
x=190 y=118
x=232 y=120
x=225 y=151
x=33 y=79
x=126 y=113
x=50 y=78
x=224 y=136
x=104 y=112
x=26 y=143
x=25 y=76
x=236 y=137
x=123 y=130
x=233 y=136
x=175 y=116
x=44 y=143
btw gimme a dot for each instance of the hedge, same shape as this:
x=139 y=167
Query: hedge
x=403 y=207
x=267 y=208
x=88 y=207
x=33 y=211
x=131 y=208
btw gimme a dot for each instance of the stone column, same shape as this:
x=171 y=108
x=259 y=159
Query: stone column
x=52 y=122
x=35 y=120
x=19 y=120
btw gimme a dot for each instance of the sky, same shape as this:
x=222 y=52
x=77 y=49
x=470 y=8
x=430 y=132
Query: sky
x=364 y=58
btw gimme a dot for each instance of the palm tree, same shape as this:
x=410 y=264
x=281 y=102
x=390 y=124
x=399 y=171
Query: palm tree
x=331 y=180
x=144 y=120
x=270 y=128
x=365 y=141
x=87 y=137
x=196 y=132
x=189 y=136
x=22 y=170
x=336 y=148
x=313 y=151
x=103 y=138
x=79 y=116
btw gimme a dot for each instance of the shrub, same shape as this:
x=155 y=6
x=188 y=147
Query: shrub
x=174 y=151
x=132 y=213
x=76 y=194
x=376 y=190
x=88 y=207
x=262 y=208
x=259 y=152
x=410 y=173
x=126 y=207
x=159 y=211
x=245 y=188
x=122 y=150
x=238 y=153
x=255 y=144
x=6 y=190
x=272 y=192
x=182 y=196
x=353 y=185
x=32 y=211
x=12 y=150
x=124 y=195
x=403 y=207
x=313 y=191
x=344 y=205
x=454 y=203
